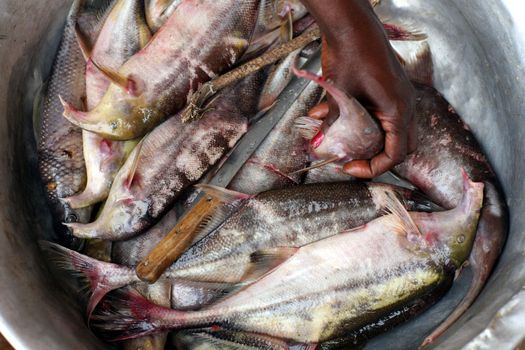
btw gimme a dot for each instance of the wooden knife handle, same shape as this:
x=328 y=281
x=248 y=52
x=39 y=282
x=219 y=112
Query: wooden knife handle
x=177 y=241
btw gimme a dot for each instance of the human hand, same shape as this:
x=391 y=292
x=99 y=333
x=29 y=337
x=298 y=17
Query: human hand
x=357 y=58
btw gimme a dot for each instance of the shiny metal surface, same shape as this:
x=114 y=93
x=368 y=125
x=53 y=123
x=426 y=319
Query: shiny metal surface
x=479 y=53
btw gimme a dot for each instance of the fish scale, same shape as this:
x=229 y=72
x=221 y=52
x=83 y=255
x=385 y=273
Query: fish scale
x=60 y=158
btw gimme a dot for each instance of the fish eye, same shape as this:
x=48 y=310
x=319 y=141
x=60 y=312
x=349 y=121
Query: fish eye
x=71 y=218
x=461 y=239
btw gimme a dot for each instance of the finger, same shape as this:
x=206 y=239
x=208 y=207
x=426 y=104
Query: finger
x=394 y=153
x=369 y=169
x=320 y=111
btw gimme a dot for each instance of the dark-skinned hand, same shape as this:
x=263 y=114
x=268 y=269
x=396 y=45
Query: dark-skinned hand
x=358 y=58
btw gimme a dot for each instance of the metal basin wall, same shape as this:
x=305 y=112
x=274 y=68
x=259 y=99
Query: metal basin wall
x=479 y=54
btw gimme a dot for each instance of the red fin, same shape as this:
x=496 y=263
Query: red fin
x=128 y=315
x=95 y=275
x=316 y=166
x=273 y=169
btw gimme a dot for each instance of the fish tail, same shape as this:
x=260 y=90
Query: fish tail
x=97 y=277
x=128 y=315
x=489 y=241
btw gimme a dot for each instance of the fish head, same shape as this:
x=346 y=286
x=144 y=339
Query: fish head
x=355 y=136
x=455 y=230
x=118 y=220
x=119 y=116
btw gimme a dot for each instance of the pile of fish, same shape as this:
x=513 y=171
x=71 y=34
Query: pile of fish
x=298 y=255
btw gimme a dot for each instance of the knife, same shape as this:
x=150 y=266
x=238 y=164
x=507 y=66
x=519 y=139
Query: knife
x=181 y=237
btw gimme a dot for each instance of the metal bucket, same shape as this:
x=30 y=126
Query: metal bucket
x=479 y=54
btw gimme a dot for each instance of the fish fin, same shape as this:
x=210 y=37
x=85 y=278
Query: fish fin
x=222 y=194
x=72 y=113
x=315 y=166
x=264 y=261
x=127 y=315
x=127 y=83
x=397 y=33
x=83 y=42
x=400 y=217
x=274 y=170
x=286 y=28
x=215 y=219
x=261 y=44
x=308 y=127
x=95 y=276
x=419 y=66
x=135 y=164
